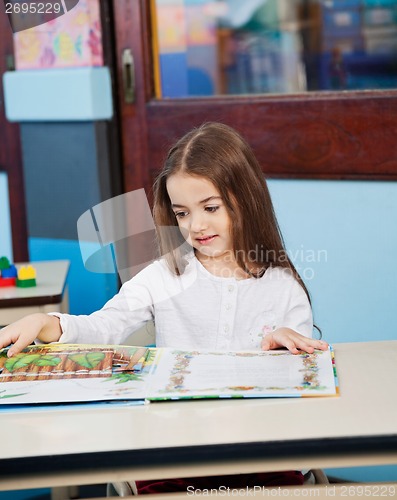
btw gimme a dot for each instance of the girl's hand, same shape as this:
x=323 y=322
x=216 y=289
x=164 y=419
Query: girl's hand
x=24 y=331
x=293 y=341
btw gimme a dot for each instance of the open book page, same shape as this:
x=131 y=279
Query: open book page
x=66 y=373
x=74 y=373
x=181 y=374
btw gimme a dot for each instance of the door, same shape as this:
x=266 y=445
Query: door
x=328 y=134
x=10 y=152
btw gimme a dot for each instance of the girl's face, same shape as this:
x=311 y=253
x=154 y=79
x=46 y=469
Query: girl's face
x=201 y=214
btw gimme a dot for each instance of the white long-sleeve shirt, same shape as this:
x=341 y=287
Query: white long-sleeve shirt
x=196 y=310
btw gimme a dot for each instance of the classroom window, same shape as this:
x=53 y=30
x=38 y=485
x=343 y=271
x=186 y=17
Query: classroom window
x=215 y=47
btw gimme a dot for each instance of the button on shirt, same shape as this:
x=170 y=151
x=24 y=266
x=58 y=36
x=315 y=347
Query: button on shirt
x=196 y=310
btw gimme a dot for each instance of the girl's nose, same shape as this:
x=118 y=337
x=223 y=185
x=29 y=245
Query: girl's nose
x=197 y=223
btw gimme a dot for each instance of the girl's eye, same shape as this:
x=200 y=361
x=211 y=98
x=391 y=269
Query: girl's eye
x=212 y=209
x=179 y=215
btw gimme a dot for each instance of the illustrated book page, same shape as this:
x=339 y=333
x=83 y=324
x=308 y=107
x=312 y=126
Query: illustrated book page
x=54 y=373
x=196 y=374
x=66 y=373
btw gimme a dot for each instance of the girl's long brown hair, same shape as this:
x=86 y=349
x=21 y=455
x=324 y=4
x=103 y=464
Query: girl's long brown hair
x=218 y=153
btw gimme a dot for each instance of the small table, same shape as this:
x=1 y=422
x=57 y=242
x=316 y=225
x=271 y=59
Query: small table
x=49 y=295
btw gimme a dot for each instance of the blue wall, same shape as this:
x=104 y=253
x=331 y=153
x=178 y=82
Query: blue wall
x=88 y=291
x=349 y=229
x=38 y=494
x=5 y=223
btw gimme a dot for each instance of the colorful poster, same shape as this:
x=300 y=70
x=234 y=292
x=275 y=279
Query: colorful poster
x=71 y=40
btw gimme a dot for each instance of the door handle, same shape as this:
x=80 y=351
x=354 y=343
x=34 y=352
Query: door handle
x=128 y=70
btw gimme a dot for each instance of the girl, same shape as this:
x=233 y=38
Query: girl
x=230 y=287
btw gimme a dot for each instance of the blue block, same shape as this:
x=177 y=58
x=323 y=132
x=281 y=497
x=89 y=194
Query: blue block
x=11 y=272
x=58 y=95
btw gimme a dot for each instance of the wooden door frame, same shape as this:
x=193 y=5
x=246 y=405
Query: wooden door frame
x=131 y=31
x=316 y=135
x=10 y=153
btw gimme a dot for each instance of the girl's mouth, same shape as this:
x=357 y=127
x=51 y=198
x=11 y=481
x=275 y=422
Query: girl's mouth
x=206 y=240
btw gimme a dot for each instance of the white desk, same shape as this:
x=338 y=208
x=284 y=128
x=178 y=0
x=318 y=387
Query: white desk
x=49 y=295
x=180 y=439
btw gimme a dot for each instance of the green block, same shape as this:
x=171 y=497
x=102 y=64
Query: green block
x=26 y=283
x=4 y=263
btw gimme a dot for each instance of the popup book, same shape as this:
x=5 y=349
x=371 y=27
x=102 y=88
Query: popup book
x=71 y=373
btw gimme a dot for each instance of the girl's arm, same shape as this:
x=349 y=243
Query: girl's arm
x=123 y=314
x=293 y=341
x=24 y=331
x=296 y=316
